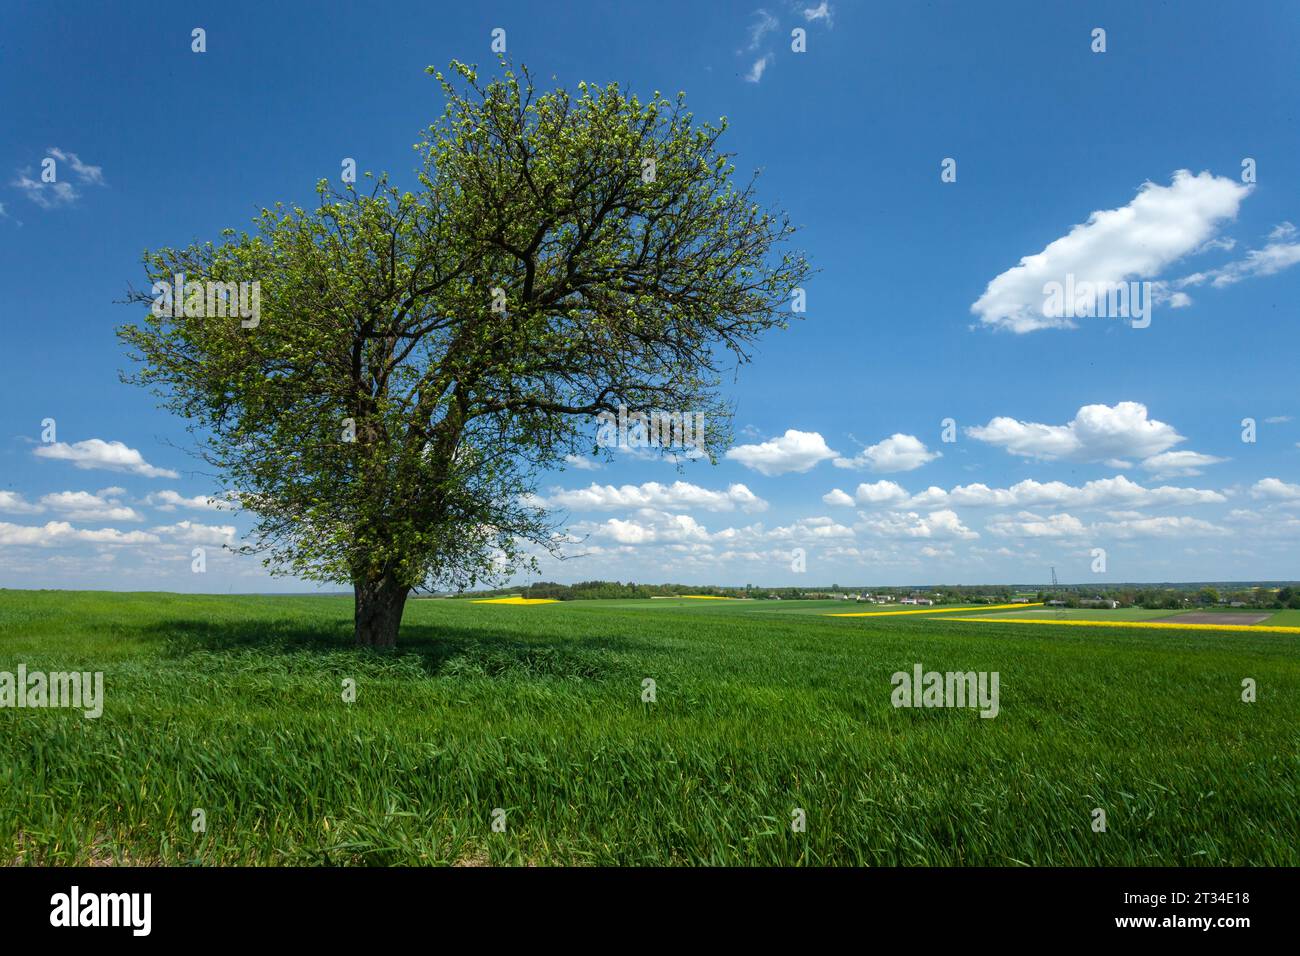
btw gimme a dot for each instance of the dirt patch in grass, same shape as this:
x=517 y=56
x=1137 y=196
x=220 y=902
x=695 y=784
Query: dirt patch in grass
x=1212 y=618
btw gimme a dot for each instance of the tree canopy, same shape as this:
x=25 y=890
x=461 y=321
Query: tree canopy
x=419 y=356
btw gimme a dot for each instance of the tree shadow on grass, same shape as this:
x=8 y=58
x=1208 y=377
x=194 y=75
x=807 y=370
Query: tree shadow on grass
x=437 y=650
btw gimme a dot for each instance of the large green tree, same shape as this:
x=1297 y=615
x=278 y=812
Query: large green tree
x=418 y=357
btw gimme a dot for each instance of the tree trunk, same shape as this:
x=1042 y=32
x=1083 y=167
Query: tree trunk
x=379 y=605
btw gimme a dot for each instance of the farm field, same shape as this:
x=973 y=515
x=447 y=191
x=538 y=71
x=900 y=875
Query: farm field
x=1084 y=614
x=233 y=705
x=1286 y=618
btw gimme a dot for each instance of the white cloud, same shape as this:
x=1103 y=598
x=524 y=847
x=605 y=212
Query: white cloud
x=11 y=502
x=1160 y=226
x=582 y=464
x=190 y=532
x=1277 y=419
x=1097 y=433
x=837 y=497
x=899 y=452
x=1118 y=491
x=758 y=68
x=651 y=527
x=910 y=524
x=878 y=492
x=83 y=506
x=45 y=195
x=1171 y=464
x=1275 y=489
x=85 y=173
x=811 y=529
x=1162 y=527
x=108 y=455
x=1281 y=252
x=764 y=23
x=680 y=495
x=60 y=532
x=169 y=500
x=1029 y=525
x=795 y=451
x=823 y=11
x=68 y=169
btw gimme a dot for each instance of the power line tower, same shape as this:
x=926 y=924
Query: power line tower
x=1054 y=583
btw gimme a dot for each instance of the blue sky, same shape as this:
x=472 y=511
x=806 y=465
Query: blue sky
x=1100 y=435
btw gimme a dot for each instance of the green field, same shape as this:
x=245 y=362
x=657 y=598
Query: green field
x=233 y=705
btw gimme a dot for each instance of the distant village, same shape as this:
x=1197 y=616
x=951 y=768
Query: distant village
x=1155 y=597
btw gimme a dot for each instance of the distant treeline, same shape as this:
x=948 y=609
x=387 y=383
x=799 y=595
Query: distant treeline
x=1073 y=595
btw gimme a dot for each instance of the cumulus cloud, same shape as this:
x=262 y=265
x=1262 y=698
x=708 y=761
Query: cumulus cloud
x=84 y=506
x=877 y=492
x=108 y=455
x=11 y=502
x=911 y=524
x=811 y=529
x=191 y=532
x=795 y=451
x=1097 y=433
x=1029 y=525
x=1171 y=464
x=651 y=527
x=169 y=500
x=1160 y=226
x=898 y=452
x=1275 y=489
x=680 y=495
x=1161 y=527
x=61 y=532
x=582 y=464
x=1118 y=491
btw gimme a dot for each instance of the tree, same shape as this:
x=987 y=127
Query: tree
x=419 y=357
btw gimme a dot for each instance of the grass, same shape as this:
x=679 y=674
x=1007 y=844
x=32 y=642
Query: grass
x=234 y=705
